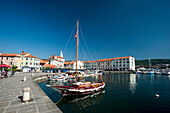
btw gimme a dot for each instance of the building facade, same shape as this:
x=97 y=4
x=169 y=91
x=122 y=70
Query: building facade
x=72 y=65
x=21 y=60
x=119 y=64
x=9 y=59
x=55 y=61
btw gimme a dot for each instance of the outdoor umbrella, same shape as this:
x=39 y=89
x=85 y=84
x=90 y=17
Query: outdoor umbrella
x=4 y=65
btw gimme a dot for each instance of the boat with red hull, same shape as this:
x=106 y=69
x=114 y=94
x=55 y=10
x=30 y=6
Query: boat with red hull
x=81 y=88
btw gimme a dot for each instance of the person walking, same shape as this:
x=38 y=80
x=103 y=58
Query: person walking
x=5 y=75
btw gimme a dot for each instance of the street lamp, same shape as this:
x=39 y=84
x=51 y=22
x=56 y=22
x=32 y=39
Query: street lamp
x=11 y=65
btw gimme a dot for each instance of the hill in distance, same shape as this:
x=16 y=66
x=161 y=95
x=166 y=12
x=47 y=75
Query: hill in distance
x=153 y=61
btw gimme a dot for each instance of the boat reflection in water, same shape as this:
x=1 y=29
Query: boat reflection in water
x=78 y=103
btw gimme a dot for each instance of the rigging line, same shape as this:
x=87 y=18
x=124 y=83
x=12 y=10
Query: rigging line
x=86 y=44
x=82 y=50
x=84 y=54
x=69 y=39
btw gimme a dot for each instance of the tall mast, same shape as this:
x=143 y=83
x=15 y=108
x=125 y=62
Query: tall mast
x=77 y=43
x=149 y=63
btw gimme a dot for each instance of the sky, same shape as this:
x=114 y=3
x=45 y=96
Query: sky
x=110 y=28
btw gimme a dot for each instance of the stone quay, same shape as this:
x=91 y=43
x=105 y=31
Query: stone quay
x=11 y=95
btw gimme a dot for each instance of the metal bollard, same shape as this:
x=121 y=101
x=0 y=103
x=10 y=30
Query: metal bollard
x=24 y=79
x=26 y=94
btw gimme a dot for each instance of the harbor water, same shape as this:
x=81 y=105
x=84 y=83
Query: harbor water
x=123 y=93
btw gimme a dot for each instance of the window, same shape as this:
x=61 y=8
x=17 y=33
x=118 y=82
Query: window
x=26 y=58
x=21 y=63
x=22 y=59
x=127 y=61
x=7 y=58
x=26 y=63
x=31 y=58
x=30 y=63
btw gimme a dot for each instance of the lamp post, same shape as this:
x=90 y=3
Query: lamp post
x=11 y=65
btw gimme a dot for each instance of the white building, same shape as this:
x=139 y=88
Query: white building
x=58 y=61
x=31 y=61
x=119 y=63
x=72 y=65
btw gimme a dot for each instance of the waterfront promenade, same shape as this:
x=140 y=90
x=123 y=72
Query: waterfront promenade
x=11 y=96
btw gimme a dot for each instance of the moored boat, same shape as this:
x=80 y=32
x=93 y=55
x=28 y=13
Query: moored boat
x=166 y=73
x=82 y=87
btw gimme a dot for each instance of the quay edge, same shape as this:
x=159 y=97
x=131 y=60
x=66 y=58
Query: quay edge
x=11 y=95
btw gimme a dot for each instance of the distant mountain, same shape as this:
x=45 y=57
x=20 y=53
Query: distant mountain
x=153 y=61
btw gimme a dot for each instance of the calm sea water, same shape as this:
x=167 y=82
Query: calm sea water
x=124 y=93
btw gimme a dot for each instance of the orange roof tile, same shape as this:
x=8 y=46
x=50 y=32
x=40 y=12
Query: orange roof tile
x=89 y=61
x=122 y=57
x=9 y=54
x=44 y=61
x=110 y=59
x=49 y=65
x=60 y=57
x=100 y=60
x=31 y=56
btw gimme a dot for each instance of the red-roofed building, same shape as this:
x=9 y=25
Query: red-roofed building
x=28 y=60
x=58 y=61
x=21 y=60
x=49 y=65
x=119 y=63
x=42 y=62
x=8 y=58
x=72 y=65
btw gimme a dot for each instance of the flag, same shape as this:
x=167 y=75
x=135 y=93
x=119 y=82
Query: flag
x=76 y=35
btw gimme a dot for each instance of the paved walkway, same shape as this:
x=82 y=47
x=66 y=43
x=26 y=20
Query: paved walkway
x=11 y=94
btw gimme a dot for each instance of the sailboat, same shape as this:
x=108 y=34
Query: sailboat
x=150 y=70
x=81 y=88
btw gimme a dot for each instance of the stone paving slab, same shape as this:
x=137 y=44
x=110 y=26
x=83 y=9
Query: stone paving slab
x=11 y=96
